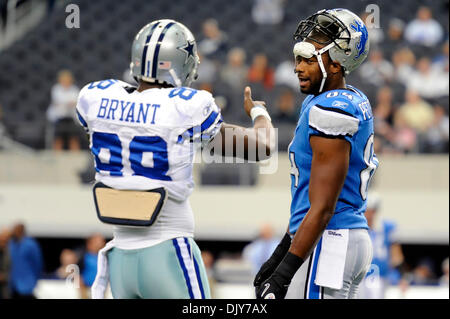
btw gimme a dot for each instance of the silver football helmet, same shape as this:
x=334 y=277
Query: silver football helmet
x=341 y=32
x=164 y=52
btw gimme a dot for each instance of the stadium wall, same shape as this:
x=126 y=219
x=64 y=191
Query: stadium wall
x=43 y=190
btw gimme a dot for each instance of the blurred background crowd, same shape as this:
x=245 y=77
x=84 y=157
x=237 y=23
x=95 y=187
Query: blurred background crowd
x=23 y=264
x=43 y=65
x=405 y=76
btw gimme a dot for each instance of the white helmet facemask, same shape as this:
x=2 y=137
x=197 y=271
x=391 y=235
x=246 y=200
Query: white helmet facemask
x=308 y=50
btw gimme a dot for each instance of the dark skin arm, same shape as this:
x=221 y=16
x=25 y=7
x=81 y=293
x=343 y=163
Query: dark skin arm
x=328 y=171
x=257 y=143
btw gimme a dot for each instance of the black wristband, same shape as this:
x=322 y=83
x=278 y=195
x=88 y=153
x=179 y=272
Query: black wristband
x=282 y=248
x=289 y=266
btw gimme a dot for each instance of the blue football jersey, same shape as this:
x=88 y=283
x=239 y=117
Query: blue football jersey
x=344 y=113
x=381 y=243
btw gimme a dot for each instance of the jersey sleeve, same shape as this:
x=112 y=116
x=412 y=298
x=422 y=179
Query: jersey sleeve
x=333 y=118
x=82 y=108
x=205 y=119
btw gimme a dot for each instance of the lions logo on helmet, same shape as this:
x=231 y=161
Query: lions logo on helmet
x=361 y=45
x=165 y=52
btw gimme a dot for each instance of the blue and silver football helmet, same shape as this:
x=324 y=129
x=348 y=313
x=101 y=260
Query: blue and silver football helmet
x=164 y=52
x=341 y=32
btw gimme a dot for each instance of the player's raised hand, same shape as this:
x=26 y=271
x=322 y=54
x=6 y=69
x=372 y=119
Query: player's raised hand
x=248 y=101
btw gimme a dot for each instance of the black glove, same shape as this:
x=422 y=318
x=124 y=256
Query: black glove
x=272 y=263
x=277 y=285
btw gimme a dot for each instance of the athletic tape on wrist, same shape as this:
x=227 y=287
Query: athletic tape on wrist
x=259 y=110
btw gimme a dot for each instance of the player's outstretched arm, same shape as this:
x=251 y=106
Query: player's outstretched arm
x=255 y=143
x=328 y=171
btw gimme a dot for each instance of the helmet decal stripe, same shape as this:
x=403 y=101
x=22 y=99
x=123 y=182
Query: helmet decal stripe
x=152 y=45
x=144 y=53
x=158 y=45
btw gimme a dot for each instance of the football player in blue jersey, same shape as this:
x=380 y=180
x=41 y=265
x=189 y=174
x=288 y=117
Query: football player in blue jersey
x=388 y=256
x=327 y=250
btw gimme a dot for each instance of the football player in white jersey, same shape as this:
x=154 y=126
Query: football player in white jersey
x=143 y=140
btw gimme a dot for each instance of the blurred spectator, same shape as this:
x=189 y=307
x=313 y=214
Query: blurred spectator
x=214 y=43
x=61 y=112
x=405 y=139
x=443 y=281
x=89 y=263
x=285 y=110
x=234 y=73
x=423 y=274
x=207 y=70
x=429 y=83
x=417 y=113
x=387 y=253
x=424 y=30
x=384 y=118
x=377 y=70
x=259 y=250
x=26 y=263
x=285 y=75
x=285 y=115
x=268 y=11
x=260 y=72
x=67 y=257
x=437 y=135
x=404 y=61
x=441 y=61
x=208 y=260
x=4 y=264
x=394 y=40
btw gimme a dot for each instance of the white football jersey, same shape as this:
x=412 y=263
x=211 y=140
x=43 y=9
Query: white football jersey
x=143 y=140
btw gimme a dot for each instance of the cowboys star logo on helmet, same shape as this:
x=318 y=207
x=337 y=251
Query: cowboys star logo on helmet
x=189 y=49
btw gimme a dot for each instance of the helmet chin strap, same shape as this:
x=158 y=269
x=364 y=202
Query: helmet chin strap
x=318 y=54
x=307 y=50
x=175 y=78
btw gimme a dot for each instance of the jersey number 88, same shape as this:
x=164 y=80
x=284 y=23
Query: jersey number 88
x=150 y=147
